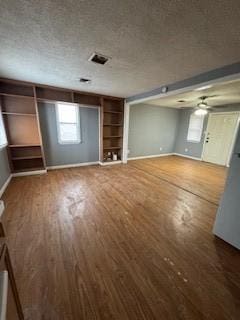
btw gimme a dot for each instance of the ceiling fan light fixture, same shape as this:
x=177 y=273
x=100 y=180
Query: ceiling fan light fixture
x=200 y=112
x=202 y=105
x=208 y=86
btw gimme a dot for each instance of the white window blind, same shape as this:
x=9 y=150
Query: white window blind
x=3 y=139
x=195 y=128
x=68 y=123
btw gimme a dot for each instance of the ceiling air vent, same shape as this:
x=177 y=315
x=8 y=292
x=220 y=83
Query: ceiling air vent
x=84 y=80
x=98 y=58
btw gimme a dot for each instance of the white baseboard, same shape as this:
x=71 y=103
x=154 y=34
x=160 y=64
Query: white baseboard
x=73 y=165
x=110 y=163
x=28 y=173
x=186 y=156
x=165 y=155
x=4 y=187
x=152 y=156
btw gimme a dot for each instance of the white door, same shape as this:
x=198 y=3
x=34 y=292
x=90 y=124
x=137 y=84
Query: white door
x=220 y=137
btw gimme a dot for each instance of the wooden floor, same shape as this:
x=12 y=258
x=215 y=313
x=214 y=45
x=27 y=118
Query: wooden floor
x=122 y=242
x=204 y=179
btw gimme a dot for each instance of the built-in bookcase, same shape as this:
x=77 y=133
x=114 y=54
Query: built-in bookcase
x=112 y=132
x=19 y=107
x=20 y=116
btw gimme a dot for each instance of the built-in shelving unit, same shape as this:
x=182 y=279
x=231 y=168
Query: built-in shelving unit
x=20 y=117
x=112 y=132
x=19 y=106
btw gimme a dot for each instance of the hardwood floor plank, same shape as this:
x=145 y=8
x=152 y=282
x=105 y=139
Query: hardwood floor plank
x=204 y=179
x=120 y=242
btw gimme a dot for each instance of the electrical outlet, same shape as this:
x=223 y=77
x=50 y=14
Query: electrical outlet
x=186 y=149
x=128 y=151
x=160 y=148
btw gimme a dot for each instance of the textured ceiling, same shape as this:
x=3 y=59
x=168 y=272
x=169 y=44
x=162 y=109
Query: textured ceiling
x=222 y=94
x=151 y=42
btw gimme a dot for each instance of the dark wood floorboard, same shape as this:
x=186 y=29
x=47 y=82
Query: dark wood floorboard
x=201 y=178
x=119 y=243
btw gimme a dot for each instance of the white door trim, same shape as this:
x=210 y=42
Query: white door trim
x=99 y=134
x=234 y=135
x=125 y=132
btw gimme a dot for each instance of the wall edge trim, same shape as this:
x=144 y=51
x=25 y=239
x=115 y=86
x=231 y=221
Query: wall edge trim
x=73 y=165
x=151 y=156
x=6 y=183
x=28 y=173
x=186 y=156
x=110 y=163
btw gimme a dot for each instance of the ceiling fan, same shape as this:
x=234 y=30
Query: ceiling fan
x=203 y=107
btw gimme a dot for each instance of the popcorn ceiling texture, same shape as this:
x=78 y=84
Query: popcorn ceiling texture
x=151 y=42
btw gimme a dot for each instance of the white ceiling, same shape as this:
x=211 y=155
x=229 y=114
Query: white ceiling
x=221 y=94
x=151 y=42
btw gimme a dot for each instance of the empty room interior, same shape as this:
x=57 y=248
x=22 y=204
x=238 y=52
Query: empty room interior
x=119 y=160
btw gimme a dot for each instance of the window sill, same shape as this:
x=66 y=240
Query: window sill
x=69 y=143
x=190 y=141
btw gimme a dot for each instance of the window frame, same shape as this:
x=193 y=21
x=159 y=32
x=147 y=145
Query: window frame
x=191 y=129
x=5 y=141
x=68 y=142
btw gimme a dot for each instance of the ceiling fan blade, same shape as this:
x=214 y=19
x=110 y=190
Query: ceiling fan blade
x=213 y=96
x=207 y=97
x=182 y=108
x=219 y=107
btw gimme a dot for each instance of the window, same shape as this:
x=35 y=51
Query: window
x=195 y=128
x=3 y=139
x=68 y=123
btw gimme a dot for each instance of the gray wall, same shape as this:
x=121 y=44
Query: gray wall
x=57 y=154
x=151 y=127
x=181 y=143
x=4 y=167
x=183 y=146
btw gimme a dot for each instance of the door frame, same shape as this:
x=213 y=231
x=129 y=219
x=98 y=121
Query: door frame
x=234 y=134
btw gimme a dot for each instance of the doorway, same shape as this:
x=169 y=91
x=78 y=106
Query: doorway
x=220 y=136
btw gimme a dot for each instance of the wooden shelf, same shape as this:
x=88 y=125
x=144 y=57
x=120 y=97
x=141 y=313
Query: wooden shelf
x=16 y=95
x=28 y=169
x=46 y=100
x=19 y=114
x=112 y=148
x=23 y=145
x=110 y=137
x=112 y=125
x=112 y=161
x=114 y=112
x=26 y=158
